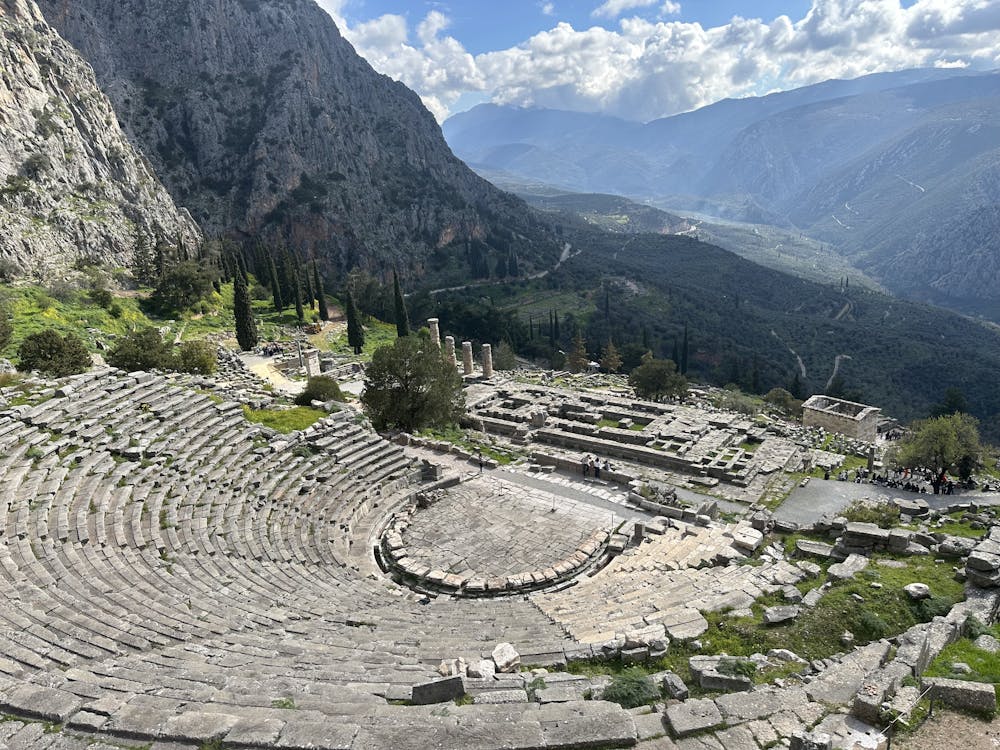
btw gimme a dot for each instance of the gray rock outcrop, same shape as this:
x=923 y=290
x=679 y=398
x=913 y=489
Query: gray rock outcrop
x=269 y=124
x=71 y=184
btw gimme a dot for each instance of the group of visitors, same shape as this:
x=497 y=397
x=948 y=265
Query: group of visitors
x=590 y=465
x=904 y=479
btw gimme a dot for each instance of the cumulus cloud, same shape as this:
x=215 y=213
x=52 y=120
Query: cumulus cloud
x=614 y=8
x=643 y=69
x=549 y=9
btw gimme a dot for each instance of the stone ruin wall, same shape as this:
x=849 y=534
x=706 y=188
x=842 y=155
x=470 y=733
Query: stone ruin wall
x=864 y=427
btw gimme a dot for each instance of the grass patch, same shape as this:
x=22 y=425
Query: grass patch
x=284 y=420
x=885 y=515
x=377 y=334
x=985 y=666
x=631 y=688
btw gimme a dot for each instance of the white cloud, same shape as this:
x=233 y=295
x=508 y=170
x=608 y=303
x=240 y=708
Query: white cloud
x=670 y=8
x=614 y=8
x=645 y=69
x=548 y=9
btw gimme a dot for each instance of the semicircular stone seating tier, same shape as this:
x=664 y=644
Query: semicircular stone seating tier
x=171 y=571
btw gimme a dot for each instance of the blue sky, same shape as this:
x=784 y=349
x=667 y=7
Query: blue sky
x=488 y=25
x=644 y=59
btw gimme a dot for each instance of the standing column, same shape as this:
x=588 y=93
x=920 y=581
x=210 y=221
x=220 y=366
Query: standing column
x=432 y=323
x=487 y=361
x=449 y=349
x=467 y=357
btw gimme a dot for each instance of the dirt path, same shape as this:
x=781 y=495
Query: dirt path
x=951 y=730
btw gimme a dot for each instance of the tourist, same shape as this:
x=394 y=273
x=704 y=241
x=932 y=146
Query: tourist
x=597 y=469
x=585 y=465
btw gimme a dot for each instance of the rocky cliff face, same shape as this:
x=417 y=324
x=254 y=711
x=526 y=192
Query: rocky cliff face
x=263 y=119
x=71 y=184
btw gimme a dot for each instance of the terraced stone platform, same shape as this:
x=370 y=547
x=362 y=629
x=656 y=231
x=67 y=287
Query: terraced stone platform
x=489 y=536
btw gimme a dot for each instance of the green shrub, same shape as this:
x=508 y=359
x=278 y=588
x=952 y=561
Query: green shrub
x=885 y=515
x=934 y=606
x=115 y=310
x=319 y=388
x=973 y=627
x=101 y=297
x=143 y=349
x=732 y=666
x=870 y=627
x=197 y=357
x=52 y=354
x=181 y=287
x=631 y=689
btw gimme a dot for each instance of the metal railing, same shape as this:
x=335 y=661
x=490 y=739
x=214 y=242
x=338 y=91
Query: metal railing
x=889 y=731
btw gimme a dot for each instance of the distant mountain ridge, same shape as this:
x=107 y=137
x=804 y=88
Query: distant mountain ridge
x=269 y=125
x=795 y=160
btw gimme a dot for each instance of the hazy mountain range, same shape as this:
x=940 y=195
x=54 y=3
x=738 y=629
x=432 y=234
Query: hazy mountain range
x=897 y=171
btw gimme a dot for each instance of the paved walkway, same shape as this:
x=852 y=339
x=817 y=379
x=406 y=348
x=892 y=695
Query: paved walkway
x=822 y=497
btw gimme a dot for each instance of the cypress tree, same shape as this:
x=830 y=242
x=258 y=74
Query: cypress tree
x=674 y=355
x=272 y=271
x=512 y=269
x=555 y=320
x=683 y=364
x=645 y=338
x=324 y=314
x=355 y=332
x=552 y=331
x=402 y=318
x=300 y=313
x=310 y=292
x=246 y=328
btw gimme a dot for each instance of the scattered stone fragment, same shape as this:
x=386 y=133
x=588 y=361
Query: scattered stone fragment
x=850 y=567
x=506 y=658
x=917 y=591
x=779 y=614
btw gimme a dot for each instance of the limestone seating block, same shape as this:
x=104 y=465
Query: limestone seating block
x=693 y=716
x=33 y=701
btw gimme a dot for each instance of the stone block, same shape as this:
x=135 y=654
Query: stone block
x=484 y=668
x=977 y=697
x=501 y=697
x=644 y=636
x=731 y=683
x=809 y=547
x=198 y=726
x=438 y=691
x=36 y=702
x=917 y=591
x=310 y=734
x=693 y=716
x=850 y=567
x=506 y=658
x=780 y=614
x=810 y=741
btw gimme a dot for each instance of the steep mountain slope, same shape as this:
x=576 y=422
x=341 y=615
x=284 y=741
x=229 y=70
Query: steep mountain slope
x=268 y=123
x=71 y=185
x=922 y=210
